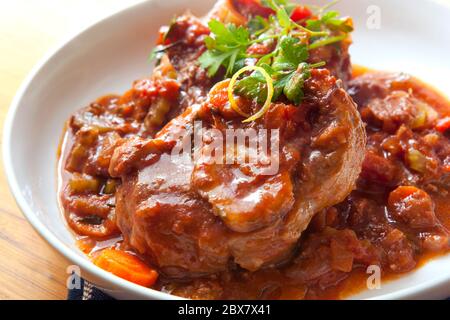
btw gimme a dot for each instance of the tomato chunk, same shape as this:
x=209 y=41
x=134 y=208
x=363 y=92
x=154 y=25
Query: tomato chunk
x=301 y=13
x=443 y=124
x=412 y=206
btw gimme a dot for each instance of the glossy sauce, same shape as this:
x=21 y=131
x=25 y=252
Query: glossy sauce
x=398 y=216
x=282 y=282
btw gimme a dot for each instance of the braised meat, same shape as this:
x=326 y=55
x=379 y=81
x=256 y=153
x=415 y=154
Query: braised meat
x=252 y=163
x=194 y=217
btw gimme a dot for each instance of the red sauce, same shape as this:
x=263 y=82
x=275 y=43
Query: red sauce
x=397 y=217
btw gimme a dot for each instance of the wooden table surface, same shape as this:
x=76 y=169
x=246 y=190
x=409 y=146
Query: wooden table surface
x=29 y=267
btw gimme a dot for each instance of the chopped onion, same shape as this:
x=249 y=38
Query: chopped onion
x=416 y=160
x=79 y=184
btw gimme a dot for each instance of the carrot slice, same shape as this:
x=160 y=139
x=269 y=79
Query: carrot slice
x=126 y=266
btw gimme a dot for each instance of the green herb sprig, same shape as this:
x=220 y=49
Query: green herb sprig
x=287 y=64
x=226 y=47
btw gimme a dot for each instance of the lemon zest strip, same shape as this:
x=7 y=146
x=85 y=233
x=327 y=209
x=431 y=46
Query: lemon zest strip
x=266 y=104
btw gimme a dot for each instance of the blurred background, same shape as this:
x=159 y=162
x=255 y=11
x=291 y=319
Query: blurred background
x=29 y=267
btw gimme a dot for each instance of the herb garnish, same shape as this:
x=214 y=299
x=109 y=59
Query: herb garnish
x=287 y=63
x=227 y=47
x=290 y=43
x=288 y=70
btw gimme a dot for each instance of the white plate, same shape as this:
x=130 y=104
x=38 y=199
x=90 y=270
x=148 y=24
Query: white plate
x=414 y=36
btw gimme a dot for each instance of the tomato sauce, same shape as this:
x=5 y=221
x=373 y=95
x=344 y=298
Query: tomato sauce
x=396 y=218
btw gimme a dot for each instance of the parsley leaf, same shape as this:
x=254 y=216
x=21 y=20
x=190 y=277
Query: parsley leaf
x=289 y=71
x=283 y=18
x=253 y=87
x=229 y=35
x=292 y=52
x=274 y=4
x=330 y=20
x=293 y=87
x=226 y=46
x=288 y=68
x=258 y=25
x=213 y=60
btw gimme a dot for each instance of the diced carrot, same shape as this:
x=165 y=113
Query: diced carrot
x=413 y=207
x=443 y=124
x=403 y=192
x=126 y=266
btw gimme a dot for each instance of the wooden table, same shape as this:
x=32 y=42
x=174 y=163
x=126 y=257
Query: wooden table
x=29 y=267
